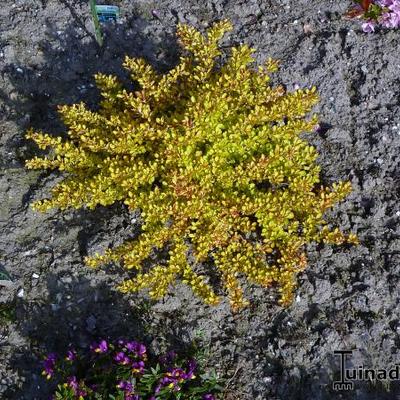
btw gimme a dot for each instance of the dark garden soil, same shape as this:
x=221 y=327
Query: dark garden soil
x=348 y=298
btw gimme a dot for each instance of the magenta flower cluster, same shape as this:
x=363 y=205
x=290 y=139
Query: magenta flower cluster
x=126 y=363
x=389 y=16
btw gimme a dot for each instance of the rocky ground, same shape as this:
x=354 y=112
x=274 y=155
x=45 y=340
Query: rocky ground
x=348 y=298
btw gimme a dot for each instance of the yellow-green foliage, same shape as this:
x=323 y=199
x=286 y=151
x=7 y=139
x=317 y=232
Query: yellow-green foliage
x=212 y=157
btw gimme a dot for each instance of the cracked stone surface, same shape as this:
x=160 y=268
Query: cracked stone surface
x=348 y=298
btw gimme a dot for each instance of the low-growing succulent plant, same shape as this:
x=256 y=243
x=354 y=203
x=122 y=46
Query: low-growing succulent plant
x=212 y=156
x=122 y=370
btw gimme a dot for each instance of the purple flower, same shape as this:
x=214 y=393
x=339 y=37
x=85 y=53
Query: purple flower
x=181 y=375
x=128 y=388
x=208 y=396
x=125 y=386
x=131 y=346
x=73 y=383
x=368 y=26
x=121 y=358
x=71 y=355
x=81 y=393
x=102 y=347
x=49 y=364
x=192 y=367
x=172 y=379
x=176 y=376
x=157 y=389
x=137 y=348
x=177 y=373
x=138 y=367
x=168 y=358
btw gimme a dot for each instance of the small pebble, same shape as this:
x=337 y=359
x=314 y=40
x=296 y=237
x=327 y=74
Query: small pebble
x=307 y=28
x=35 y=275
x=155 y=14
x=20 y=293
x=20 y=70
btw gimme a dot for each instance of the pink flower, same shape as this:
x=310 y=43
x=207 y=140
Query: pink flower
x=395 y=7
x=389 y=16
x=385 y=3
x=385 y=20
x=368 y=26
x=395 y=20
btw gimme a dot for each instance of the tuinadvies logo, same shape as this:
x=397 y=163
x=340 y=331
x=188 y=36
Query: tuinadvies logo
x=349 y=375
